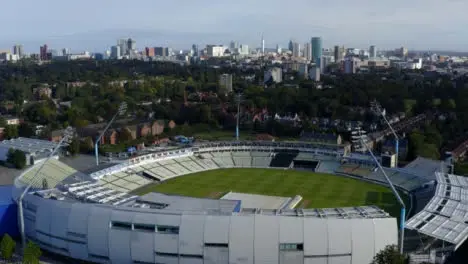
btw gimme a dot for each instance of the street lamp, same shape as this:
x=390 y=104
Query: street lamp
x=377 y=108
x=395 y=192
x=66 y=139
x=239 y=99
x=122 y=109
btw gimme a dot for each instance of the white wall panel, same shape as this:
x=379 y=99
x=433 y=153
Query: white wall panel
x=291 y=257
x=362 y=240
x=167 y=260
x=316 y=260
x=60 y=210
x=191 y=235
x=183 y=260
x=291 y=229
x=241 y=237
x=315 y=237
x=78 y=224
x=217 y=229
x=385 y=231
x=339 y=236
x=43 y=217
x=98 y=230
x=119 y=240
x=142 y=242
x=167 y=243
x=216 y=255
x=266 y=242
x=340 y=260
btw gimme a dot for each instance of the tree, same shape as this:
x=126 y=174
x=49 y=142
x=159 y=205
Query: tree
x=74 y=146
x=390 y=255
x=26 y=130
x=11 y=131
x=125 y=135
x=32 y=253
x=86 y=146
x=7 y=247
x=17 y=158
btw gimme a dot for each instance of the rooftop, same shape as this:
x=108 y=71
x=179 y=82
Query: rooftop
x=29 y=145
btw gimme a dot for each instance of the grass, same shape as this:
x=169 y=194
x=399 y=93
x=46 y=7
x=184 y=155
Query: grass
x=317 y=189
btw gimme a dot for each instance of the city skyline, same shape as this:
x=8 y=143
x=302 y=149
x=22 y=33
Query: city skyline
x=94 y=26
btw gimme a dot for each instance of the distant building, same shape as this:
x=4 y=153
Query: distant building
x=291 y=45
x=296 y=52
x=273 y=75
x=161 y=51
x=123 y=44
x=42 y=91
x=225 y=82
x=322 y=138
x=307 y=51
x=149 y=52
x=303 y=69
x=43 y=52
x=215 y=50
x=115 y=52
x=402 y=52
x=372 y=52
x=316 y=49
x=244 y=50
x=131 y=44
x=35 y=150
x=18 y=50
x=314 y=73
x=324 y=62
x=350 y=66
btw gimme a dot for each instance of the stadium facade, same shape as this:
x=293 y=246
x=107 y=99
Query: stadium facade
x=93 y=217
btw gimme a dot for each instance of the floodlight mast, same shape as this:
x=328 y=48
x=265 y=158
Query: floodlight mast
x=239 y=95
x=395 y=192
x=122 y=109
x=378 y=108
x=66 y=138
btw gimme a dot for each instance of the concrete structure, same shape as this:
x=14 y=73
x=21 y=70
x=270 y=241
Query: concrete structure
x=351 y=65
x=215 y=50
x=43 y=52
x=339 y=53
x=314 y=73
x=161 y=51
x=296 y=50
x=274 y=75
x=18 y=50
x=102 y=225
x=225 y=82
x=316 y=49
x=123 y=44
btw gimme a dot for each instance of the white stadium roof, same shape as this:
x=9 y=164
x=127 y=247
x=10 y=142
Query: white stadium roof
x=446 y=216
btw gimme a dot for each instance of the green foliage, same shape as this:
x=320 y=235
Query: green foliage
x=26 y=130
x=86 y=145
x=461 y=168
x=124 y=135
x=425 y=143
x=16 y=158
x=11 y=131
x=32 y=253
x=3 y=122
x=390 y=255
x=7 y=247
x=74 y=146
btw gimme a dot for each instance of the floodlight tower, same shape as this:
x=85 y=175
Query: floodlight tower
x=238 y=99
x=377 y=108
x=395 y=192
x=66 y=139
x=122 y=109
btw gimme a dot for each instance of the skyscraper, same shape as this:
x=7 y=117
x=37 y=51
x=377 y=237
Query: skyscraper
x=123 y=44
x=43 y=52
x=372 y=52
x=131 y=44
x=296 y=50
x=263 y=45
x=18 y=50
x=115 y=52
x=290 y=46
x=316 y=49
x=308 y=51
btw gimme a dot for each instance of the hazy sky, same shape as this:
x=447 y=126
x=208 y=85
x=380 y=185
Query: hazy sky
x=96 y=24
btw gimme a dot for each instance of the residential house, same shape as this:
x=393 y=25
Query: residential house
x=328 y=138
x=110 y=137
x=157 y=128
x=42 y=91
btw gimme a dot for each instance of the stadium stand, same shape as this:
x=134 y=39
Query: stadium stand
x=282 y=159
x=53 y=171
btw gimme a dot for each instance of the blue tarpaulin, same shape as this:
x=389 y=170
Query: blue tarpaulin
x=8 y=212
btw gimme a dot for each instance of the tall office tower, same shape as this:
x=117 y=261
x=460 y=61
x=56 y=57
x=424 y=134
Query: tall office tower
x=316 y=49
x=18 y=50
x=278 y=49
x=66 y=51
x=149 y=52
x=296 y=51
x=337 y=54
x=131 y=44
x=195 y=50
x=115 y=52
x=308 y=51
x=43 y=52
x=161 y=51
x=233 y=45
x=290 y=45
x=372 y=52
x=403 y=52
x=123 y=44
x=244 y=49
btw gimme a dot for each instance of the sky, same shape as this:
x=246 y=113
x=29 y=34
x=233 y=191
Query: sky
x=94 y=25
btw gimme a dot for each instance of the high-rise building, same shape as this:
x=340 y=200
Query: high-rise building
x=372 y=52
x=123 y=44
x=225 y=82
x=66 y=51
x=18 y=50
x=161 y=51
x=215 y=50
x=402 y=52
x=290 y=45
x=149 y=52
x=244 y=50
x=131 y=44
x=316 y=49
x=195 y=51
x=336 y=54
x=296 y=50
x=43 y=52
x=263 y=45
x=233 y=45
x=308 y=51
x=115 y=52
x=274 y=75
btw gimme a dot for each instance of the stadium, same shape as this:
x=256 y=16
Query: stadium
x=112 y=215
